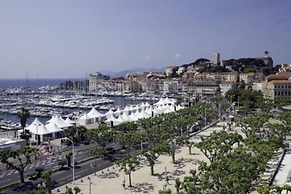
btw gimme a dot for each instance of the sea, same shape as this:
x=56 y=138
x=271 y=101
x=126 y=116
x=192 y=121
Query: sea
x=31 y=83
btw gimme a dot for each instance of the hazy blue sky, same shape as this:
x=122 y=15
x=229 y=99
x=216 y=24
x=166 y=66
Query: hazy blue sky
x=72 y=38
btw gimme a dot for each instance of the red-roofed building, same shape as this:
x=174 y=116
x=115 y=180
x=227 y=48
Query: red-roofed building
x=277 y=87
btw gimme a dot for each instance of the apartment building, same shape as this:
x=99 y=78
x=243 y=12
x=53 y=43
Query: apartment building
x=277 y=87
x=225 y=86
x=170 y=86
x=248 y=78
x=201 y=88
x=95 y=81
x=223 y=76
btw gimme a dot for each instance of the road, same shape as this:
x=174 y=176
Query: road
x=60 y=178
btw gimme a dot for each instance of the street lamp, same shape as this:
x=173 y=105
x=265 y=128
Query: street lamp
x=204 y=117
x=89 y=185
x=73 y=151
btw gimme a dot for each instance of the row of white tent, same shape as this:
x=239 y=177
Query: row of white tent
x=57 y=124
x=129 y=113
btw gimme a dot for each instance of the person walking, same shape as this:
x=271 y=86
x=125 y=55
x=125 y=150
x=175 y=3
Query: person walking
x=123 y=183
x=167 y=180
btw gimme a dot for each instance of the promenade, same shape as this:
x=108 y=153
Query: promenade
x=110 y=180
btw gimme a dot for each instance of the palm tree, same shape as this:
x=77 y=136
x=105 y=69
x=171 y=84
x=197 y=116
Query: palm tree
x=69 y=191
x=68 y=155
x=23 y=114
x=47 y=177
x=77 y=190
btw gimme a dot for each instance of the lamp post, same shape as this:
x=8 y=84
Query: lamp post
x=204 y=117
x=73 y=151
x=89 y=185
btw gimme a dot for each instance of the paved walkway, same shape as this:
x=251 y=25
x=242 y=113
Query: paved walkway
x=110 y=181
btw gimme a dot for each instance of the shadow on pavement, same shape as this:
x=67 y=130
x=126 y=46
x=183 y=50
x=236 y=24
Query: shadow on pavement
x=109 y=175
x=142 y=188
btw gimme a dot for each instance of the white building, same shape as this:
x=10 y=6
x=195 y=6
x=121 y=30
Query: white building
x=226 y=86
x=95 y=81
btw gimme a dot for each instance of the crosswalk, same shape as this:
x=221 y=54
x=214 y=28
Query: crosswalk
x=46 y=163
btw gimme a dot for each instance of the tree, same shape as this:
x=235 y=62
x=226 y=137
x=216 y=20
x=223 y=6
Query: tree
x=39 y=171
x=218 y=144
x=128 y=140
x=48 y=182
x=96 y=153
x=252 y=125
x=217 y=100
x=77 y=190
x=185 y=139
x=192 y=183
x=152 y=153
x=71 y=133
x=68 y=156
x=69 y=190
x=232 y=173
x=24 y=114
x=62 y=163
x=101 y=135
x=22 y=158
x=128 y=165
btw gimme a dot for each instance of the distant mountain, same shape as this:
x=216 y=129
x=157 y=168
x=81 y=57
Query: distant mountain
x=124 y=72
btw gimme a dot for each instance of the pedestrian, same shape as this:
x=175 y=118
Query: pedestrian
x=123 y=183
x=167 y=179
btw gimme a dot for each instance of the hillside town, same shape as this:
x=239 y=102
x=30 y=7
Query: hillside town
x=203 y=78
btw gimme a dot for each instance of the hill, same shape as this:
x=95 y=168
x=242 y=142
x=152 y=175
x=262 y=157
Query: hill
x=131 y=70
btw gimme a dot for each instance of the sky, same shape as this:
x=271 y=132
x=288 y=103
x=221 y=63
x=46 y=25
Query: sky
x=73 y=38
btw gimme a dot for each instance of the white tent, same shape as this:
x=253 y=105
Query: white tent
x=126 y=109
x=118 y=112
x=149 y=111
x=59 y=121
x=51 y=119
x=147 y=104
x=53 y=128
x=39 y=130
x=68 y=120
x=160 y=102
x=109 y=113
x=84 y=120
x=111 y=119
x=169 y=101
x=94 y=115
x=143 y=114
x=125 y=117
x=120 y=119
x=36 y=122
x=159 y=110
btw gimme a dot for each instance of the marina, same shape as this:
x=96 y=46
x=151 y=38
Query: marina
x=44 y=102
